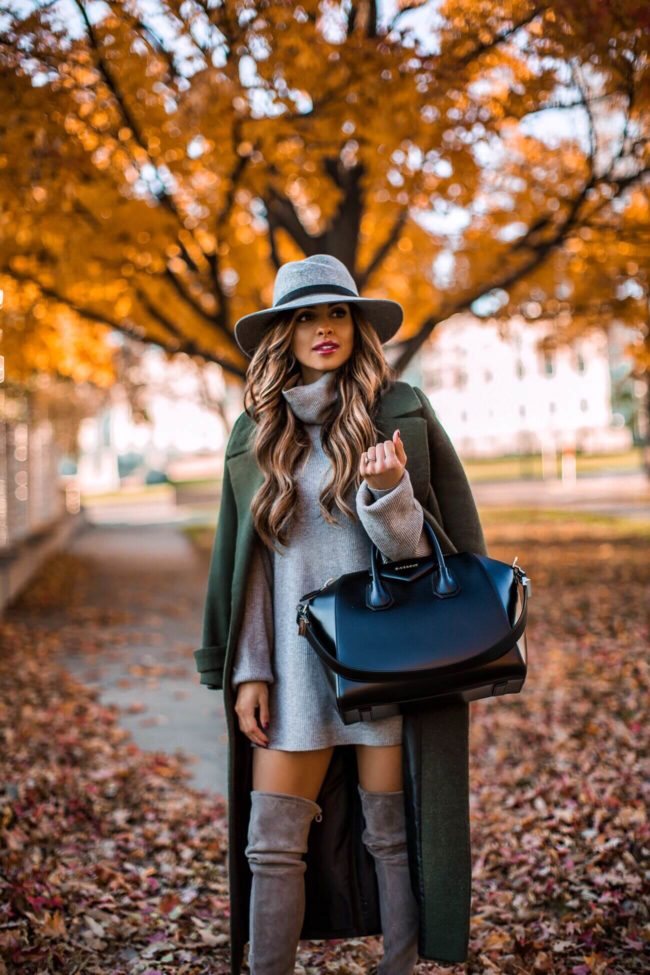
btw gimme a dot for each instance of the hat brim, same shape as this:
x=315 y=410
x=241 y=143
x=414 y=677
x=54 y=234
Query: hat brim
x=384 y=314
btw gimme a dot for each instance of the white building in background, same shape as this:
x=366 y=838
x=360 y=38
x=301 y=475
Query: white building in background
x=496 y=395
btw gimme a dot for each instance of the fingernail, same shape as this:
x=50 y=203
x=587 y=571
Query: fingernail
x=266 y=724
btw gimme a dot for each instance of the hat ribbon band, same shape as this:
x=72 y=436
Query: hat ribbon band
x=310 y=289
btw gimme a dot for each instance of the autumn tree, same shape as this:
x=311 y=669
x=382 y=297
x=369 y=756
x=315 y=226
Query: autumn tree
x=160 y=162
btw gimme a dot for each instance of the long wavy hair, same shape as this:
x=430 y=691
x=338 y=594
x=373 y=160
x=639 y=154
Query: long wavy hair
x=280 y=438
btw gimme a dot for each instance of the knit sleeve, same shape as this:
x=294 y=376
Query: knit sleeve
x=254 y=646
x=393 y=519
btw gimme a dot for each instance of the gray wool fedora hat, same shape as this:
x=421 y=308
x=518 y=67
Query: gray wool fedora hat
x=312 y=281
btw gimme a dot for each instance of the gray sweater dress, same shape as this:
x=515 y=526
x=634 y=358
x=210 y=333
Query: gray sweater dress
x=302 y=705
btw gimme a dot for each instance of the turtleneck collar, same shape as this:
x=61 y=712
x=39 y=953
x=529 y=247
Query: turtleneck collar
x=311 y=401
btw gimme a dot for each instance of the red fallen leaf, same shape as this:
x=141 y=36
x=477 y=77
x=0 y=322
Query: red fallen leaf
x=168 y=902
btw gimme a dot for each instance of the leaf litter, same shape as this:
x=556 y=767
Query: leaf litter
x=111 y=863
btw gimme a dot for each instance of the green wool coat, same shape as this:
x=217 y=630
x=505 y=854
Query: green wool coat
x=340 y=883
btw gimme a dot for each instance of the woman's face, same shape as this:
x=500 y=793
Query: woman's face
x=315 y=325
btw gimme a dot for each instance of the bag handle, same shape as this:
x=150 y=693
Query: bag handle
x=353 y=673
x=378 y=596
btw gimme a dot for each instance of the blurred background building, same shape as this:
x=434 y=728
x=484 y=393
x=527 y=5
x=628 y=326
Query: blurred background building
x=496 y=394
x=503 y=394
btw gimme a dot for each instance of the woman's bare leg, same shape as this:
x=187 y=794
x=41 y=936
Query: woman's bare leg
x=380 y=767
x=302 y=773
x=295 y=773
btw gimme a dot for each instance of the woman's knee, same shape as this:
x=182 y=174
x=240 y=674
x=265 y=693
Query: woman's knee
x=380 y=767
x=292 y=773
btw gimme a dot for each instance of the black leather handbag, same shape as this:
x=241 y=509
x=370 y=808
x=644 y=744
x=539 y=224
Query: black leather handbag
x=428 y=628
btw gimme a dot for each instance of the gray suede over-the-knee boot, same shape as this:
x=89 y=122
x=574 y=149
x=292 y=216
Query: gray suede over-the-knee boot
x=278 y=831
x=384 y=836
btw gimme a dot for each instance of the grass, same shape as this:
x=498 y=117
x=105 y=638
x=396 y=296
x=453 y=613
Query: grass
x=529 y=466
x=506 y=514
x=512 y=526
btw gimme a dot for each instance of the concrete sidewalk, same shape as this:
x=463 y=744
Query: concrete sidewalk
x=130 y=631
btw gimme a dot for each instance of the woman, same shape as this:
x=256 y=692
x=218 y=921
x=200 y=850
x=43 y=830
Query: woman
x=310 y=427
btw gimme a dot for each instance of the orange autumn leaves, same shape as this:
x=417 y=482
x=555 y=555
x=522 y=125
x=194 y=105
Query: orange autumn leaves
x=152 y=181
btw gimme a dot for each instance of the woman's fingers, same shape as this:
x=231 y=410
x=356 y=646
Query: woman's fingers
x=245 y=707
x=376 y=457
x=264 y=707
x=385 y=455
x=398 y=445
x=382 y=456
x=390 y=454
x=252 y=731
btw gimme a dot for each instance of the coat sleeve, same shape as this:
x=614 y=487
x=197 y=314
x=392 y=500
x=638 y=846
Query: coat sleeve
x=451 y=487
x=252 y=660
x=210 y=656
x=392 y=518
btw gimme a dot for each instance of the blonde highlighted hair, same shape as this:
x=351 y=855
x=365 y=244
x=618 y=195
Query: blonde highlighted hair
x=280 y=438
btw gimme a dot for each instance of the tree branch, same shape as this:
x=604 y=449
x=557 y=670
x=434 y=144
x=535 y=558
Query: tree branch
x=100 y=318
x=499 y=38
x=168 y=276
x=384 y=249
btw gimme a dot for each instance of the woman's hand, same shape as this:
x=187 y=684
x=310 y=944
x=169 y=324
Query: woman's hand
x=250 y=695
x=385 y=463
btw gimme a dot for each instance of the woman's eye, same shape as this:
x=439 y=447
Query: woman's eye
x=307 y=316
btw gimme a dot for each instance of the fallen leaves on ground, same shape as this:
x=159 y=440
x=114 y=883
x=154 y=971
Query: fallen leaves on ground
x=559 y=815
x=110 y=863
